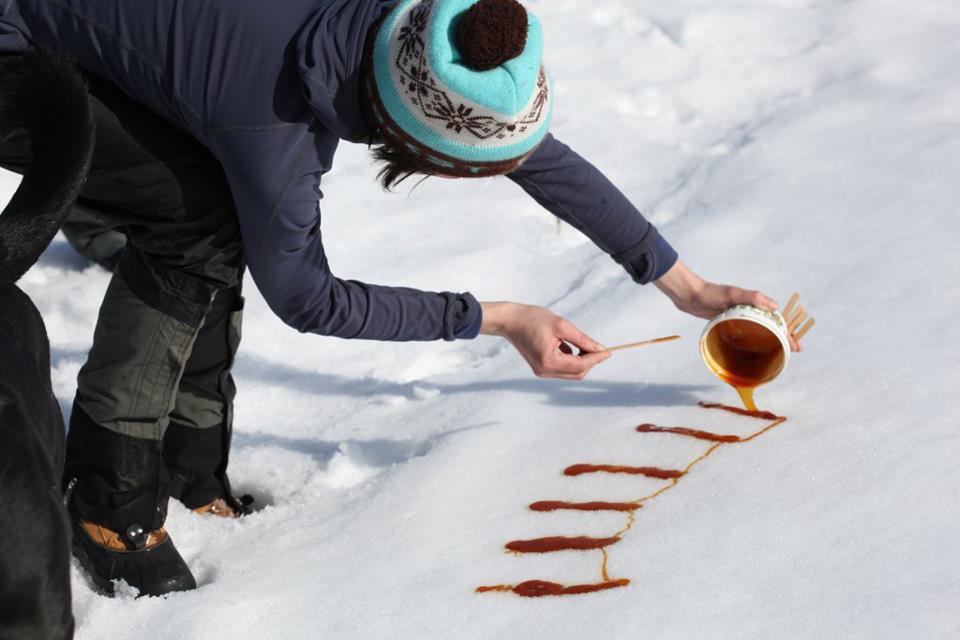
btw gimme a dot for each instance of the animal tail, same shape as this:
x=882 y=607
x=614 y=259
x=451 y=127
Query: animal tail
x=44 y=94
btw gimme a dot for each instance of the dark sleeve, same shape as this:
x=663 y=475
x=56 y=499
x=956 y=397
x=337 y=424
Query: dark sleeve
x=274 y=176
x=13 y=31
x=576 y=192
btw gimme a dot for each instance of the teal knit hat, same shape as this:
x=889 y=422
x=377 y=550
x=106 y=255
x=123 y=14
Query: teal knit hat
x=459 y=83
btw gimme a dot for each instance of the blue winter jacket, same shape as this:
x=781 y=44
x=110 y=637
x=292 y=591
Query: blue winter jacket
x=271 y=88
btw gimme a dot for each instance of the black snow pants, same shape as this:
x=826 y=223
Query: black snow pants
x=153 y=410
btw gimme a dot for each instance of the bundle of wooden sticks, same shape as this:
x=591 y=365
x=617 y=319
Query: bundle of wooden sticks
x=794 y=314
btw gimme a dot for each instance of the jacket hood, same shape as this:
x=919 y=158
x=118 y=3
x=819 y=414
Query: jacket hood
x=330 y=56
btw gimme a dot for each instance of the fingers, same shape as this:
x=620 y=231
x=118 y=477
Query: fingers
x=547 y=342
x=754 y=298
x=569 y=333
x=561 y=362
x=567 y=366
x=565 y=376
x=797 y=334
x=795 y=345
x=593 y=359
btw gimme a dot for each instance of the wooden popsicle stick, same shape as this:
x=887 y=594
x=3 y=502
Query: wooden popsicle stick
x=634 y=345
x=797 y=319
x=793 y=314
x=788 y=310
x=802 y=332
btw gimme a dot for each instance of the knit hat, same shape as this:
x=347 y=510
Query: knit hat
x=459 y=83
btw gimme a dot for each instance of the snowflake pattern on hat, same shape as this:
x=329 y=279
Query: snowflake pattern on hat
x=424 y=92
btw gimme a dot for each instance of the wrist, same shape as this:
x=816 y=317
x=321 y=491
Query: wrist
x=680 y=284
x=497 y=317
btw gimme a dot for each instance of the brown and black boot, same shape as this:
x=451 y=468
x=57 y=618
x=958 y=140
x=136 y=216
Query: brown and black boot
x=147 y=561
x=219 y=508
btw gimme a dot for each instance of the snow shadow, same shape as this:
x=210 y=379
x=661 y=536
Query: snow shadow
x=588 y=393
x=377 y=452
x=561 y=393
x=62 y=256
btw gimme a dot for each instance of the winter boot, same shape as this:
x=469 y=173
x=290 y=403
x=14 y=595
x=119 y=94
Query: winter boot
x=196 y=460
x=147 y=561
x=219 y=508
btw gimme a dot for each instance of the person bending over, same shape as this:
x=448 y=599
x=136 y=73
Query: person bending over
x=215 y=122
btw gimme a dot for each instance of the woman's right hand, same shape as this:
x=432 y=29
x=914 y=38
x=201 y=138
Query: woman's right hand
x=703 y=299
x=544 y=339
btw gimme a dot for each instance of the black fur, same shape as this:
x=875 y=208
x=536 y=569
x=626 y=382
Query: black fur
x=46 y=96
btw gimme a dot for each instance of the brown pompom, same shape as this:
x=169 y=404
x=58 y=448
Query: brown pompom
x=491 y=32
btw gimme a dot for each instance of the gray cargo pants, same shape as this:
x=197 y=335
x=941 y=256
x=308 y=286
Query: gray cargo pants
x=153 y=410
x=91 y=238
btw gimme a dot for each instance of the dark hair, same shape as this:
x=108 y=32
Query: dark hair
x=397 y=166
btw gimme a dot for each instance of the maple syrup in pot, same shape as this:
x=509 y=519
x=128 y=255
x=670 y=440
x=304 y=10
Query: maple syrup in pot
x=743 y=354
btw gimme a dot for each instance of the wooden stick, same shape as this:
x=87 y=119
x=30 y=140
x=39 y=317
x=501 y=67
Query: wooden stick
x=800 y=316
x=806 y=327
x=790 y=305
x=634 y=345
x=794 y=314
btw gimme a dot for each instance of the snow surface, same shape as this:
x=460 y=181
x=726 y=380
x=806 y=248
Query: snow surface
x=781 y=144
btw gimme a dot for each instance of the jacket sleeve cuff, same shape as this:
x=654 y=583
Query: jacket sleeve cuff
x=464 y=317
x=664 y=257
x=648 y=259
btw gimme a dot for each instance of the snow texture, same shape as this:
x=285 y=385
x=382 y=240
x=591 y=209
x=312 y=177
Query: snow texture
x=806 y=145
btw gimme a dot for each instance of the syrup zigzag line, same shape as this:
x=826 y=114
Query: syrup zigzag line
x=537 y=588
